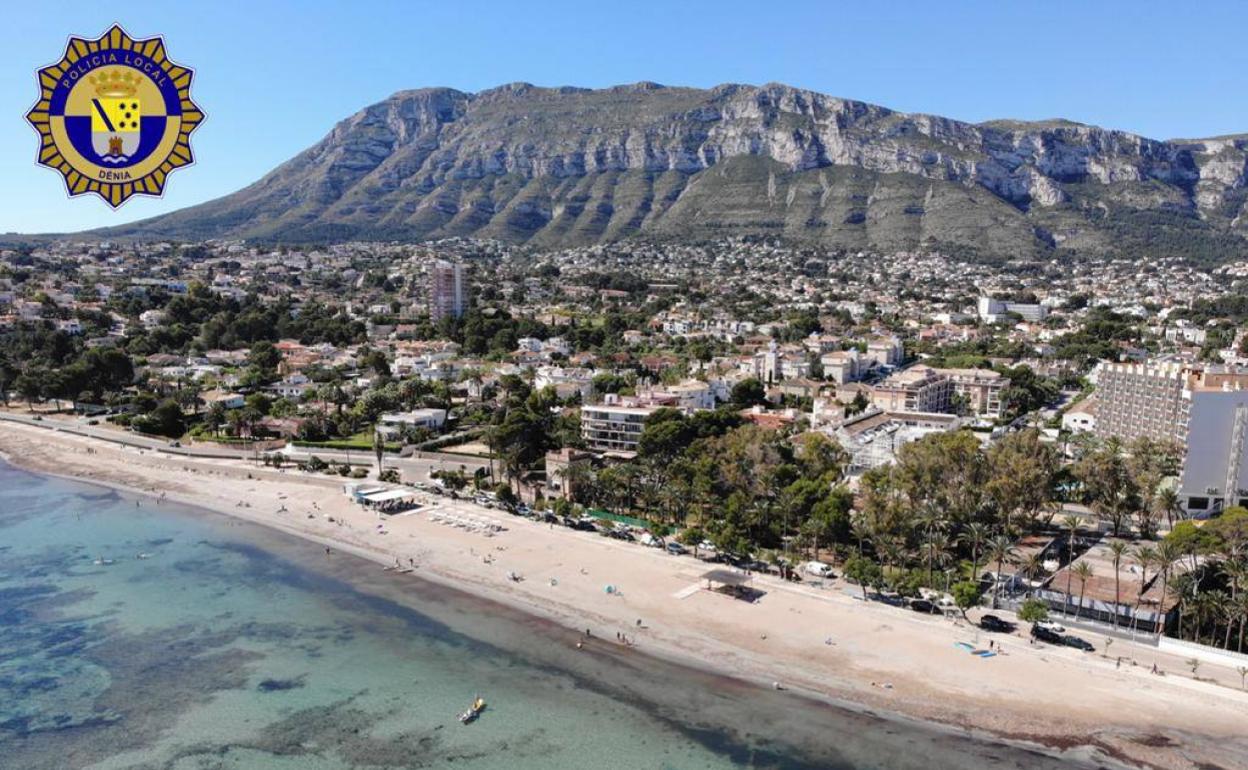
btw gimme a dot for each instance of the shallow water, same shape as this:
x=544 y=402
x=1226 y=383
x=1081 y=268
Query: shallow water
x=232 y=646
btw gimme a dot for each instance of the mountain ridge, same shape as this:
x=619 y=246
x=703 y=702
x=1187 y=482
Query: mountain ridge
x=569 y=166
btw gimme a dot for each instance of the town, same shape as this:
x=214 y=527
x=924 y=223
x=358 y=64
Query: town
x=1055 y=439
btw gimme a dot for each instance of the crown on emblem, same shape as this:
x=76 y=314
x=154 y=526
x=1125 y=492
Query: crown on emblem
x=116 y=84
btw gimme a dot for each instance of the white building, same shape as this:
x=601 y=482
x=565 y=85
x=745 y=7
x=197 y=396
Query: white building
x=391 y=425
x=1080 y=418
x=446 y=290
x=1202 y=409
x=612 y=427
x=993 y=310
x=842 y=366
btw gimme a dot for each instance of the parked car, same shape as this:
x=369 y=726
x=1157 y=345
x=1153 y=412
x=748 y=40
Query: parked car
x=676 y=548
x=1056 y=628
x=1070 y=640
x=1046 y=634
x=996 y=624
x=923 y=605
x=891 y=600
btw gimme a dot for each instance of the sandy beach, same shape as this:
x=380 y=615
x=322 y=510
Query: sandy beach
x=821 y=642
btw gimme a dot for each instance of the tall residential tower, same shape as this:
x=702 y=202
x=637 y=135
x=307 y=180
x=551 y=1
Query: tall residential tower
x=446 y=290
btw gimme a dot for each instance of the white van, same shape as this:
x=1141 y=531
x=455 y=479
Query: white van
x=817 y=568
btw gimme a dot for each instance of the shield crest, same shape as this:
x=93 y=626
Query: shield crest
x=115 y=125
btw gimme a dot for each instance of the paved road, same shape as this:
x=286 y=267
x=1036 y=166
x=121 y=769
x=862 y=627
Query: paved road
x=414 y=468
x=79 y=426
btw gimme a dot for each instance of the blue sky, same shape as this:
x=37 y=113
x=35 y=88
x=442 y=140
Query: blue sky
x=275 y=76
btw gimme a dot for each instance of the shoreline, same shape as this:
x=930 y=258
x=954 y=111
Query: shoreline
x=138 y=472
x=1071 y=749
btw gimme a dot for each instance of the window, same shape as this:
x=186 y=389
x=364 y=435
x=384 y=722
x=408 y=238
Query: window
x=1198 y=503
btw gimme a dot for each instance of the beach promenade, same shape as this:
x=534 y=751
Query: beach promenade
x=823 y=642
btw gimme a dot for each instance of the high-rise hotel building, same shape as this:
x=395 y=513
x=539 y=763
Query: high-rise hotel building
x=1203 y=409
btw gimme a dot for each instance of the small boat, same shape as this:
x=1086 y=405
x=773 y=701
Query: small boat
x=474 y=711
x=102 y=562
x=144 y=555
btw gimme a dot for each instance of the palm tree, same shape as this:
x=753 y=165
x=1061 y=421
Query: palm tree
x=1241 y=615
x=1181 y=584
x=1071 y=525
x=1168 y=504
x=860 y=528
x=379 y=448
x=215 y=417
x=974 y=535
x=891 y=550
x=1145 y=556
x=1167 y=555
x=1083 y=571
x=1117 y=550
x=1206 y=608
x=936 y=550
x=1000 y=548
x=1225 y=608
x=1033 y=565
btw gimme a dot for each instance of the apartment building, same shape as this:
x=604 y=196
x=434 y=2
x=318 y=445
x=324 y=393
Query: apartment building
x=842 y=366
x=612 y=426
x=1202 y=409
x=446 y=290
x=917 y=389
x=982 y=390
x=1146 y=400
x=888 y=351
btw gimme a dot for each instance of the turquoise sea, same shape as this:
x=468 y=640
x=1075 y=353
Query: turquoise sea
x=231 y=646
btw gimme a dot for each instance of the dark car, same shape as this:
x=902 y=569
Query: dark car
x=1046 y=635
x=923 y=605
x=1077 y=643
x=994 y=623
x=676 y=548
x=889 y=599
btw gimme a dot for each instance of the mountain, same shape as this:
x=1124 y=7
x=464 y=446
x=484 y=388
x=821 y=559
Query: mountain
x=572 y=166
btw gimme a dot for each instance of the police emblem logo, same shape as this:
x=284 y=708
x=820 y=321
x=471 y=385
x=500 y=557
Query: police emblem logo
x=115 y=116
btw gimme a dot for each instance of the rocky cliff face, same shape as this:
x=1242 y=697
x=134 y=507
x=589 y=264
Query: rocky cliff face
x=566 y=165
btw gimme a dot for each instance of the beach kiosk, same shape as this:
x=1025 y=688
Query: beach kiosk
x=736 y=584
